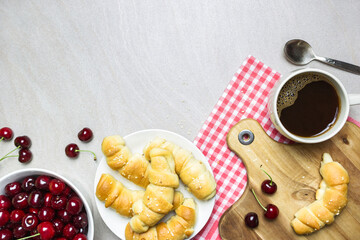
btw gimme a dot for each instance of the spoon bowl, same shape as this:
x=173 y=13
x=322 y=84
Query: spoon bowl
x=299 y=52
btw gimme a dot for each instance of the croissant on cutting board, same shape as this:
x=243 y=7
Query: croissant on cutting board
x=178 y=227
x=193 y=173
x=121 y=199
x=119 y=157
x=159 y=194
x=331 y=198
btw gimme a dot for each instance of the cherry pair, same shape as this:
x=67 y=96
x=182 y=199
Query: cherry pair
x=271 y=211
x=72 y=150
x=22 y=142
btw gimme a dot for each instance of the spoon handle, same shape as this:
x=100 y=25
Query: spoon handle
x=339 y=64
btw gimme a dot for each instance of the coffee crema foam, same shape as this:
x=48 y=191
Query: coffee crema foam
x=289 y=92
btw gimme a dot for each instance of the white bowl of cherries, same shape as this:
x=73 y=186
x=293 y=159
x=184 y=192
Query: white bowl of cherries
x=44 y=205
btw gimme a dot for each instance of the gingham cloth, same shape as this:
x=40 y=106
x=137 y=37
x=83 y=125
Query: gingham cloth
x=246 y=96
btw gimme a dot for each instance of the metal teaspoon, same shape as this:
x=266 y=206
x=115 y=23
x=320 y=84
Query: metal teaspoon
x=299 y=52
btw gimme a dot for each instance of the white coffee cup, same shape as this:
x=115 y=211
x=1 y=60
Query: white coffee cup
x=345 y=101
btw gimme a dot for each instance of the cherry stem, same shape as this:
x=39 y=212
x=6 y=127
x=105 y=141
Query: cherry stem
x=1 y=139
x=258 y=200
x=271 y=181
x=11 y=156
x=87 y=151
x=7 y=155
x=28 y=237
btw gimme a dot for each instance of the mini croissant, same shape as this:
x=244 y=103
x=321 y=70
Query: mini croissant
x=122 y=199
x=193 y=173
x=331 y=198
x=159 y=194
x=178 y=227
x=116 y=195
x=119 y=157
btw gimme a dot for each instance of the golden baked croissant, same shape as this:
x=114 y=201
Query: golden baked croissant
x=119 y=157
x=118 y=197
x=331 y=198
x=178 y=227
x=159 y=194
x=191 y=171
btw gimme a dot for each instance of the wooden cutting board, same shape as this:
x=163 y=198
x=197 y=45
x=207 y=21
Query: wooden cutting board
x=295 y=169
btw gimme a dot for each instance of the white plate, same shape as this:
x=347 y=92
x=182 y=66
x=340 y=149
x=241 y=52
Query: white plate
x=136 y=142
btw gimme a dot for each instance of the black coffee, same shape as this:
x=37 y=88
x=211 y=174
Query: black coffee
x=308 y=105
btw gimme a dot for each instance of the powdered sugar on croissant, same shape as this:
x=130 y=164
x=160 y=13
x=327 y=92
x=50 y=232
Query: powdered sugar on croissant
x=331 y=198
x=133 y=167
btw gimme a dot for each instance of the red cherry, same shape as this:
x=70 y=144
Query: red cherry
x=74 y=205
x=30 y=221
x=16 y=216
x=6 y=134
x=80 y=236
x=69 y=231
x=42 y=182
x=58 y=202
x=6 y=234
x=47 y=199
x=271 y=211
x=20 y=200
x=28 y=184
x=36 y=199
x=4 y=217
x=46 y=214
x=67 y=191
x=11 y=189
x=251 y=220
x=56 y=186
x=25 y=155
x=64 y=215
x=5 y=203
x=19 y=231
x=46 y=230
x=268 y=186
x=85 y=135
x=22 y=142
x=58 y=226
x=72 y=151
x=80 y=220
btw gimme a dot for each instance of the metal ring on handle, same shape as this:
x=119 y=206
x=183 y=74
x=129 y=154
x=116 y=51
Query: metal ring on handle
x=246 y=137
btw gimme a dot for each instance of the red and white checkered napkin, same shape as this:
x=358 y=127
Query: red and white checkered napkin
x=246 y=96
